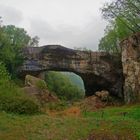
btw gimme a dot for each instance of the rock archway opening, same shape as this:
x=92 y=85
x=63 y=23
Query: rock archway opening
x=65 y=84
x=94 y=83
x=98 y=70
x=88 y=83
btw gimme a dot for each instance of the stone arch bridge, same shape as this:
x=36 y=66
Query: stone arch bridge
x=99 y=70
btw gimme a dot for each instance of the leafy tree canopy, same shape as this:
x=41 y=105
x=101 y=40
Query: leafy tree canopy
x=12 y=40
x=124 y=19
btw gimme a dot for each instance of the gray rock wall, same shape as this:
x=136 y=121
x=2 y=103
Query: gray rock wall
x=99 y=70
x=131 y=68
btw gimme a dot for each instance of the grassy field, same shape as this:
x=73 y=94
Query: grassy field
x=118 y=123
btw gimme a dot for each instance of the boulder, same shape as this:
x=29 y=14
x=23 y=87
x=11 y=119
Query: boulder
x=92 y=103
x=103 y=95
x=38 y=88
x=32 y=81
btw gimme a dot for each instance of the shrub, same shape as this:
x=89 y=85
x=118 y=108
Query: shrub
x=18 y=105
x=63 y=87
x=12 y=99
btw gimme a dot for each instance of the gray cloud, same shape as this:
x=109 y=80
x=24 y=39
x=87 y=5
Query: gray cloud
x=72 y=23
x=69 y=36
x=10 y=15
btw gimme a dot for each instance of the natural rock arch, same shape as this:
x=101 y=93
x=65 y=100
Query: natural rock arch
x=99 y=70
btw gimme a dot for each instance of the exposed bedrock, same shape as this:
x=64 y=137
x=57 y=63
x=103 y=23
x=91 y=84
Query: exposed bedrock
x=99 y=70
x=131 y=68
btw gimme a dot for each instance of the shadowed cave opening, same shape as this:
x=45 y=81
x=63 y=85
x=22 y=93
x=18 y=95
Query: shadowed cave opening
x=94 y=83
x=89 y=83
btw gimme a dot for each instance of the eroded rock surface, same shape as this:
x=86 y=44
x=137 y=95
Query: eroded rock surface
x=103 y=95
x=131 y=68
x=99 y=70
x=32 y=81
x=38 y=88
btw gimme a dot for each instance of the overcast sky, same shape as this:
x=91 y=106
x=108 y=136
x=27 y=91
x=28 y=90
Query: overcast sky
x=71 y=23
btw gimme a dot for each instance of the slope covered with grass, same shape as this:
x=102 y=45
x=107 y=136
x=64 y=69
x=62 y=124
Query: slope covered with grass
x=111 y=123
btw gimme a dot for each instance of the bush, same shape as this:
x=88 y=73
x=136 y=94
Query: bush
x=18 y=105
x=63 y=87
x=12 y=99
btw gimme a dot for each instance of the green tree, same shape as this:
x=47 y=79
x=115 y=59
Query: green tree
x=34 y=42
x=123 y=17
x=18 y=36
x=128 y=10
x=12 y=40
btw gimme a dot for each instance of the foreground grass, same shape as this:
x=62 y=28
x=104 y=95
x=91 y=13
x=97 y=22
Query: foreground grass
x=109 y=121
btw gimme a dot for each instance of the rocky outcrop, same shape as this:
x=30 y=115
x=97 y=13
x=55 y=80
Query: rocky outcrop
x=103 y=95
x=99 y=70
x=32 y=81
x=131 y=68
x=37 y=87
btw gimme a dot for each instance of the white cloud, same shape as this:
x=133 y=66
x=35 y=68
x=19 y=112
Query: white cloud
x=10 y=15
x=66 y=22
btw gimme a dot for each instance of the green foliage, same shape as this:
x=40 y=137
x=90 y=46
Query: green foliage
x=127 y=10
x=112 y=123
x=12 y=41
x=63 y=87
x=12 y=99
x=4 y=76
x=75 y=79
x=19 y=105
x=123 y=17
x=41 y=85
x=18 y=36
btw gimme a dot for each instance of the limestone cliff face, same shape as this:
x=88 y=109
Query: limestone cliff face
x=99 y=70
x=131 y=68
